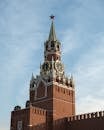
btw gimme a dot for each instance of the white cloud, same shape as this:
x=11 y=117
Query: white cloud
x=89 y=104
x=69 y=41
x=89 y=73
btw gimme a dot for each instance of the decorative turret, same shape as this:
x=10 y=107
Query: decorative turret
x=71 y=81
x=32 y=79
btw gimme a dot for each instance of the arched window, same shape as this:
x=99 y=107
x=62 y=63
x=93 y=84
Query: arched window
x=45 y=57
x=52 y=44
x=58 y=47
x=46 y=47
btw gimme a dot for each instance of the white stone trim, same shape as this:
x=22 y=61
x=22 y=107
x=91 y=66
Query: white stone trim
x=54 y=98
x=29 y=125
x=35 y=94
x=55 y=83
x=60 y=85
x=40 y=79
x=36 y=98
x=58 y=53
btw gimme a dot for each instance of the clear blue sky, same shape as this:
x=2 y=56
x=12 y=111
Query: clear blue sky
x=24 y=26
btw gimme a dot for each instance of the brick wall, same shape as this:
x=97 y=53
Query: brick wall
x=90 y=121
x=31 y=118
x=63 y=102
x=20 y=115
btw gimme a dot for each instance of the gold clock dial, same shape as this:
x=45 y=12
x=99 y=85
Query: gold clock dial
x=59 y=66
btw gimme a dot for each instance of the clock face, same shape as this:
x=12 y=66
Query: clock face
x=59 y=67
x=46 y=66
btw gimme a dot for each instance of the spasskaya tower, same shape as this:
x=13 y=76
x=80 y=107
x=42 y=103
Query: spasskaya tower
x=52 y=89
x=52 y=93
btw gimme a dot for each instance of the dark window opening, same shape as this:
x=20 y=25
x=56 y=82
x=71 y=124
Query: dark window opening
x=46 y=47
x=58 y=47
x=52 y=44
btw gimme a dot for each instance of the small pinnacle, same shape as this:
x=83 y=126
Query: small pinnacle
x=32 y=77
x=71 y=77
x=40 y=65
x=52 y=34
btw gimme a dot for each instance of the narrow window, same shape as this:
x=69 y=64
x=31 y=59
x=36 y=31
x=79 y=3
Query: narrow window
x=19 y=125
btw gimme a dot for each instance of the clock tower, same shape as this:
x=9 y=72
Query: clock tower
x=52 y=89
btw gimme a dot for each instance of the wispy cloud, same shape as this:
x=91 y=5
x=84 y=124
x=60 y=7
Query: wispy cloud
x=89 y=104
x=69 y=40
x=83 y=53
x=89 y=73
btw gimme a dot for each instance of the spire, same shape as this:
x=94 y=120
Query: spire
x=71 y=81
x=52 y=34
x=32 y=77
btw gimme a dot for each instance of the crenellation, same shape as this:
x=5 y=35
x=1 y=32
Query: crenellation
x=59 y=121
x=78 y=117
x=74 y=117
x=86 y=116
x=39 y=111
x=63 y=91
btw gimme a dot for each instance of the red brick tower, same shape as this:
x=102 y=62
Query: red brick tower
x=52 y=92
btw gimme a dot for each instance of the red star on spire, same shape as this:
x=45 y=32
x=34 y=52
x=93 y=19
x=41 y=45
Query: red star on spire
x=52 y=17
